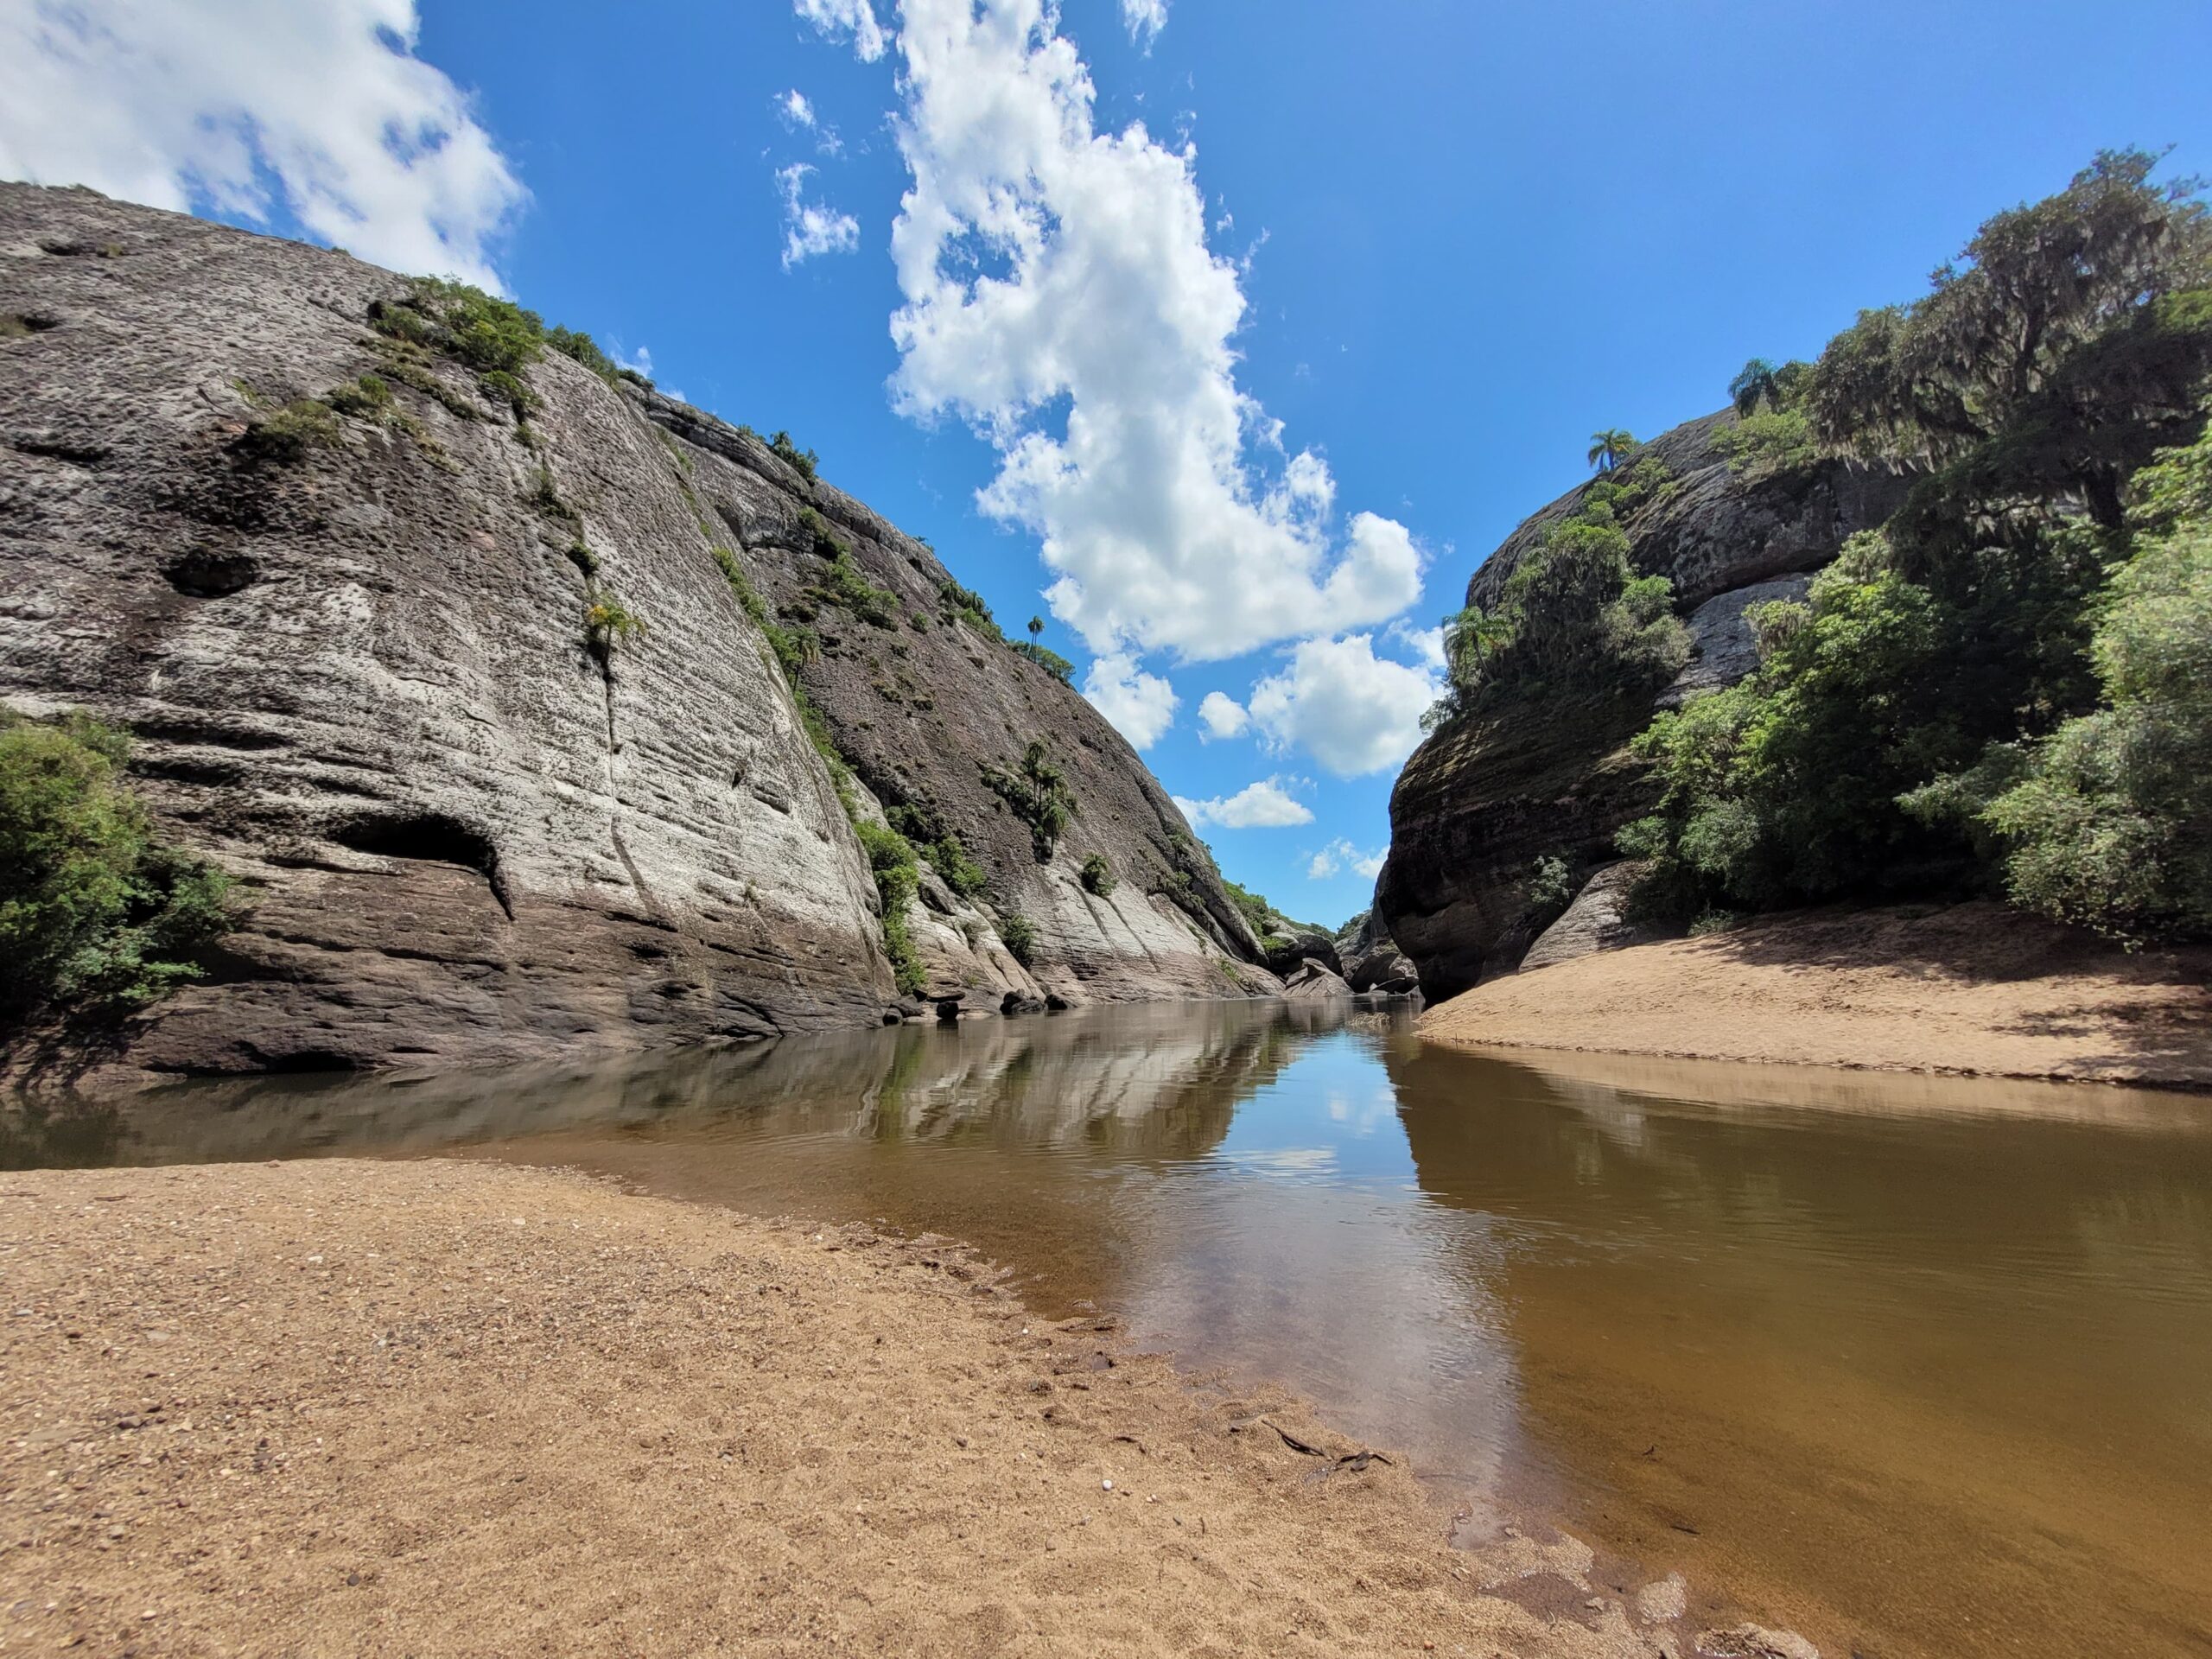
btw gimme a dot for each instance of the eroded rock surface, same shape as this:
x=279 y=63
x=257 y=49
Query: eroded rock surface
x=359 y=677
x=1595 y=921
x=1486 y=796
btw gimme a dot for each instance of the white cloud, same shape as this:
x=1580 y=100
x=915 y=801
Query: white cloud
x=1223 y=716
x=245 y=106
x=1340 y=853
x=1060 y=295
x=1353 y=711
x=808 y=227
x=1139 y=706
x=638 y=362
x=1427 y=644
x=795 y=110
x=1145 y=18
x=1264 y=805
x=836 y=18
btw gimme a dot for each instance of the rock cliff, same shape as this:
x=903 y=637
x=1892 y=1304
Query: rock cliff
x=456 y=674
x=1487 y=796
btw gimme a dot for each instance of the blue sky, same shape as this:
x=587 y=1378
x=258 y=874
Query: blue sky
x=1439 y=243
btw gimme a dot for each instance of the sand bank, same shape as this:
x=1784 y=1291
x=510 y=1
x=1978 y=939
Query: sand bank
x=443 y=1407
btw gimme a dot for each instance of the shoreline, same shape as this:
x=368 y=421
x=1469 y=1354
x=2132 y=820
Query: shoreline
x=1970 y=990
x=456 y=1405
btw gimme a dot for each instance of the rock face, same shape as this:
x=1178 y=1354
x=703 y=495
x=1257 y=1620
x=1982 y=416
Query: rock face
x=1594 y=921
x=1371 y=960
x=1486 y=796
x=924 y=702
x=360 y=677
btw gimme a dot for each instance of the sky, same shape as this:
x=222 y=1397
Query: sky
x=1226 y=336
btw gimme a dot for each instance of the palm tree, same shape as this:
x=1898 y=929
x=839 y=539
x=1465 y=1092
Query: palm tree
x=1610 y=447
x=1036 y=626
x=1758 y=382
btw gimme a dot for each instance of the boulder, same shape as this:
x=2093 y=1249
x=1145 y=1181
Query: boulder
x=1594 y=921
x=1315 y=982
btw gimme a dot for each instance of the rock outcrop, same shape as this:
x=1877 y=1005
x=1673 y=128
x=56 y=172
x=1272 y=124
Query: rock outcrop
x=478 y=820
x=1371 y=960
x=1487 y=796
x=1595 y=921
x=1313 y=982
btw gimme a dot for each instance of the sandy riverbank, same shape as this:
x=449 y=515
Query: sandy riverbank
x=441 y=1407
x=1972 y=988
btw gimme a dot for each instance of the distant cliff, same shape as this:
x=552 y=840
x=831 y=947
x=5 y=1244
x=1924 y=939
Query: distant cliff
x=1487 y=796
x=534 y=711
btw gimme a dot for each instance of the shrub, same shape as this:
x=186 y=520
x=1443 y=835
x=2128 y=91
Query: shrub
x=1046 y=659
x=609 y=623
x=891 y=859
x=1097 y=876
x=1551 y=886
x=1019 y=935
x=1574 y=616
x=94 y=909
x=965 y=605
x=1768 y=444
x=368 y=398
x=803 y=462
x=844 y=585
x=2113 y=825
x=583 y=349
x=288 y=434
x=794 y=647
x=1038 y=793
x=463 y=322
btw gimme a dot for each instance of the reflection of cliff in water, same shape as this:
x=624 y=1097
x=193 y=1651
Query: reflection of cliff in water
x=1155 y=1082
x=1766 y=1337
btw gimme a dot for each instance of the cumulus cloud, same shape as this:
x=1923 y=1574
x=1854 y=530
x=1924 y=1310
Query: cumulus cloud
x=1145 y=18
x=1060 y=295
x=1427 y=643
x=1223 y=716
x=1264 y=805
x=246 y=107
x=1139 y=706
x=794 y=109
x=1351 y=710
x=811 y=228
x=838 y=18
x=1340 y=855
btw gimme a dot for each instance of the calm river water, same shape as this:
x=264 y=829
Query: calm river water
x=1921 y=1367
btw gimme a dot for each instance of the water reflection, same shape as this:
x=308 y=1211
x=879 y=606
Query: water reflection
x=1921 y=1366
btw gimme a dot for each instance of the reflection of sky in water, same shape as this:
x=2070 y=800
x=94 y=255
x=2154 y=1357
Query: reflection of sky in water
x=1332 y=1114
x=1310 y=1257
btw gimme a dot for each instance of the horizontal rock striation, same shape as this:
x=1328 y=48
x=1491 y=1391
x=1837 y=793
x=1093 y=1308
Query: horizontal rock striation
x=360 y=675
x=1487 y=796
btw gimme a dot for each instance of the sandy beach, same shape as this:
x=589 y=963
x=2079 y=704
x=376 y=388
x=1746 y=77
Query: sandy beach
x=444 y=1407
x=1975 y=990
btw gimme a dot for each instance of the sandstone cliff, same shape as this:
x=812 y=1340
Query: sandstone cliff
x=1486 y=796
x=477 y=818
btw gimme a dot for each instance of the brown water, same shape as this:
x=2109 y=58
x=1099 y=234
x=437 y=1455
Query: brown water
x=1917 y=1366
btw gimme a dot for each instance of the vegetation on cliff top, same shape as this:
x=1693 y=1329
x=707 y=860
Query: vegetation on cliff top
x=1574 y=616
x=2004 y=686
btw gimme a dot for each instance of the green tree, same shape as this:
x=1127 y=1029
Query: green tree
x=1758 y=382
x=94 y=909
x=1036 y=626
x=1610 y=447
x=1929 y=383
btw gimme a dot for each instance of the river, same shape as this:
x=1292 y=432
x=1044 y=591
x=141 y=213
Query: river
x=1918 y=1366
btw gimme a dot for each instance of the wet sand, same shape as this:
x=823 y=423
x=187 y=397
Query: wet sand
x=341 y=1407
x=1975 y=989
